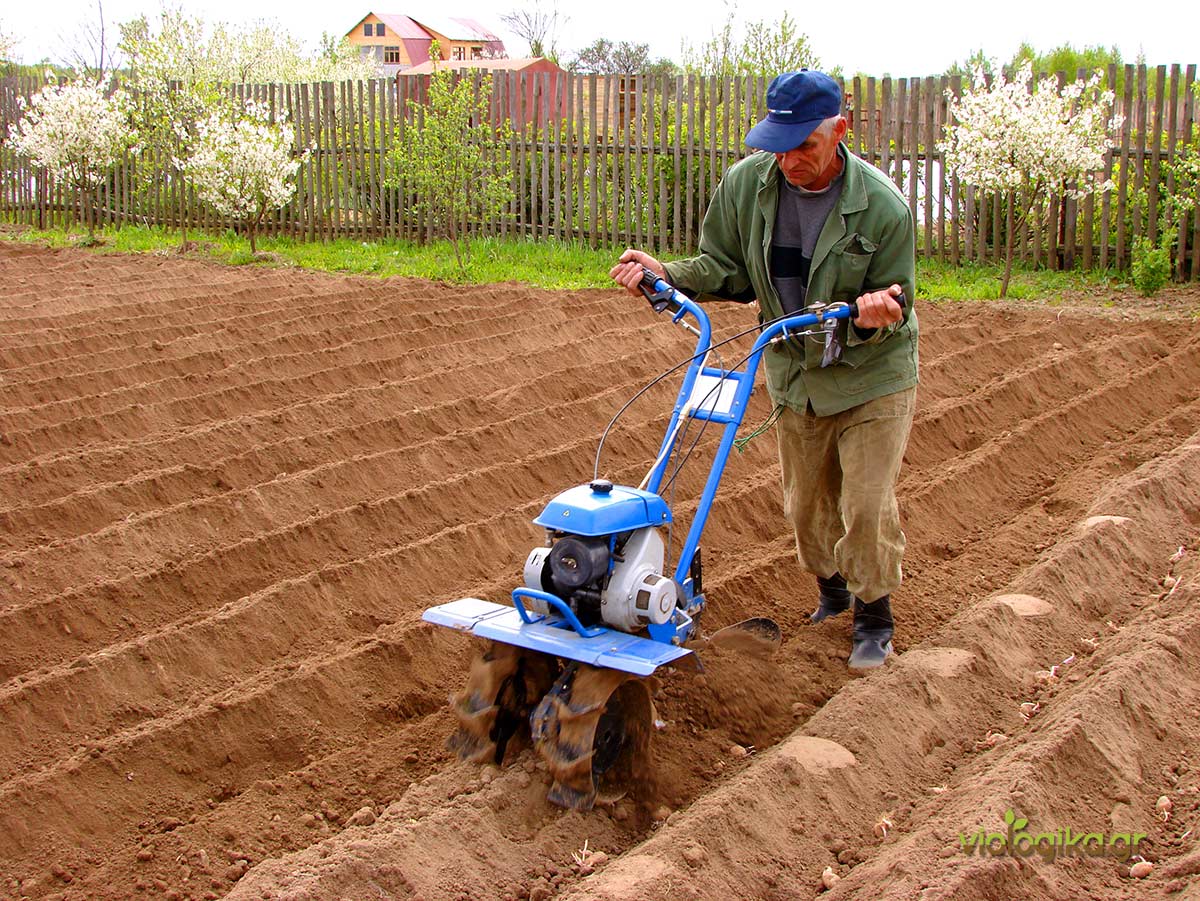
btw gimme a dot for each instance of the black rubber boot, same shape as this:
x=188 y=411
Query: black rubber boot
x=873 y=627
x=834 y=598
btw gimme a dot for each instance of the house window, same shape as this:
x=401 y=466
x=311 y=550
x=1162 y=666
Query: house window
x=379 y=30
x=367 y=30
x=457 y=53
x=391 y=55
x=476 y=53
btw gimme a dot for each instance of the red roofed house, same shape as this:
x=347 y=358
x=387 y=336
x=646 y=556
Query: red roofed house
x=399 y=42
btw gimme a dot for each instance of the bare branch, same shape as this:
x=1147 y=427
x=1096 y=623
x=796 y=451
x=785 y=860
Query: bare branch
x=88 y=52
x=536 y=26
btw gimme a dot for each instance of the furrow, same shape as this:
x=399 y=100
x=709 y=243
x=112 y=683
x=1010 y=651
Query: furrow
x=53 y=403
x=91 y=508
x=50 y=475
x=156 y=418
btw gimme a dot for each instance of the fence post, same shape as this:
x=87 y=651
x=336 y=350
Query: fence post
x=1172 y=128
x=677 y=170
x=928 y=104
x=956 y=199
x=1189 y=111
x=547 y=125
x=1123 y=180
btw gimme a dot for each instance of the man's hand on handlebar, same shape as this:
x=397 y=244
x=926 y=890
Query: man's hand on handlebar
x=628 y=271
x=879 y=308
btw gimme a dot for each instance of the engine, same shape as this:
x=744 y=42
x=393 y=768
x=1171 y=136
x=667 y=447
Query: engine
x=614 y=577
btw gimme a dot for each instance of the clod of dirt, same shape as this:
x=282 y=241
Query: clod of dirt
x=694 y=855
x=364 y=816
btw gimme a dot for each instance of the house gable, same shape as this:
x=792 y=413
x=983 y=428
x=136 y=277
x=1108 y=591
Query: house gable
x=395 y=41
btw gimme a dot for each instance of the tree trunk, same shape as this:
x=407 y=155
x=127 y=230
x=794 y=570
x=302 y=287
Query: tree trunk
x=452 y=234
x=89 y=214
x=183 y=221
x=1010 y=242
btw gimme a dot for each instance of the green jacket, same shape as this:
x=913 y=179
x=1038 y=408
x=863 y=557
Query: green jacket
x=865 y=245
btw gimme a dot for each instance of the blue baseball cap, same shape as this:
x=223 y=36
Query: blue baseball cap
x=797 y=102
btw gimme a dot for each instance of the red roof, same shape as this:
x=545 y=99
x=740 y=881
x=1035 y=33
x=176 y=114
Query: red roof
x=403 y=26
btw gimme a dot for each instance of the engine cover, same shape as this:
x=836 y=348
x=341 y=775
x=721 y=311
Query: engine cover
x=638 y=594
x=602 y=508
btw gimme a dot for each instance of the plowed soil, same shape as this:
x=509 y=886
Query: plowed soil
x=226 y=497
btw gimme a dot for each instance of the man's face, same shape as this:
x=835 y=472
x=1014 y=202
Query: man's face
x=813 y=164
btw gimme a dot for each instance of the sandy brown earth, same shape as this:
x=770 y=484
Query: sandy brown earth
x=226 y=497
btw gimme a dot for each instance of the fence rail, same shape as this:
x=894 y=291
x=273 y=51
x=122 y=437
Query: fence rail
x=633 y=160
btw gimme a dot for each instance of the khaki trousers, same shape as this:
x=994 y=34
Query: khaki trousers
x=839 y=490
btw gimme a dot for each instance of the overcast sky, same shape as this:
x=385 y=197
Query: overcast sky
x=900 y=39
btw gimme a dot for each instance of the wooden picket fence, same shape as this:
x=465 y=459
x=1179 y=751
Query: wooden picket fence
x=633 y=161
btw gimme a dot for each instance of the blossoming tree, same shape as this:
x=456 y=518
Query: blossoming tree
x=77 y=134
x=244 y=165
x=1027 y=140
x=181 y=68
x=177 y=86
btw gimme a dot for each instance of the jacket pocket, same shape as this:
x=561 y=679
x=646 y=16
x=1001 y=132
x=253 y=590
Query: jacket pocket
x=850 y=259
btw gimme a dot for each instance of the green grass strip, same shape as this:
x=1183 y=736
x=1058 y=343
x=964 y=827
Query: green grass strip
x=546 y=263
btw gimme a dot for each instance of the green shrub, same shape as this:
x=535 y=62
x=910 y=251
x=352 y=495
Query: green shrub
x=1151 y=266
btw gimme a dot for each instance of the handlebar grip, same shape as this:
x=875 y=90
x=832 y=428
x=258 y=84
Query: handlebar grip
x=899 y=298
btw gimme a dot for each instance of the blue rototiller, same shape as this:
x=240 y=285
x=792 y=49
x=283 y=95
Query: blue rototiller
x=598 y=611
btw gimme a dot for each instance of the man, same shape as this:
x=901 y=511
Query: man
x=809 y=222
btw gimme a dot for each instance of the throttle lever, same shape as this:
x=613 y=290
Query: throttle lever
x=659 y=298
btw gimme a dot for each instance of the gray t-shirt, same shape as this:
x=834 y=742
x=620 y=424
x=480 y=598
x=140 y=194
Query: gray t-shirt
x=798 y=223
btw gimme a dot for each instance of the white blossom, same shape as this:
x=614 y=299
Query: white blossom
x=1026 y=140
x=1020 y=134
x=75 y=132
x=243 y=165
